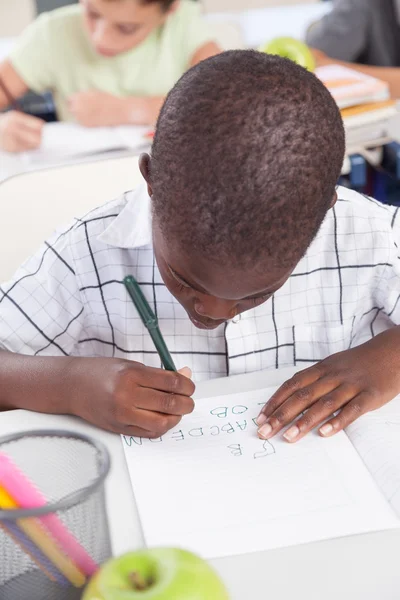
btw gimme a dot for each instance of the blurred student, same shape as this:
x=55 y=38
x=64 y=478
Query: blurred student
x=365 y=33
x=107 y=62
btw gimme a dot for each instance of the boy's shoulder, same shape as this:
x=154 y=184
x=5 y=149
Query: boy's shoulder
x=357 y=231
x=187 y=14
x=62 y=21
x=188 y=8
x=65 y=14
x=358 y=228
x=358 y=207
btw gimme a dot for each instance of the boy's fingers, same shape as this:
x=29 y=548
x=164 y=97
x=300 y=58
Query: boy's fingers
x=154 y=422
x=299 y=401
x=164 y=402
x=31 y=123
x=271 y=421
x=28 y=136
x=26 y=140
x=319 y=412
x=186 y=372
x=288 y=388
x=349 y=413
x=165 y=381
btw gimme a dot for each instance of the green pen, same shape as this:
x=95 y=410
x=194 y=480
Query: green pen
x=149 y=320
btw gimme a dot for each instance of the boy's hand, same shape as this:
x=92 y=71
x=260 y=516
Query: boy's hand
x=98 y=109
x=352 y=382
x=127 y=397
x=20 y=132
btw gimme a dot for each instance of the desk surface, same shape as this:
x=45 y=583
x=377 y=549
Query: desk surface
x=364 y=567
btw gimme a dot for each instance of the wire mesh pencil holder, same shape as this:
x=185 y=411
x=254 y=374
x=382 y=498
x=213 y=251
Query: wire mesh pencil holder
x=58 y=536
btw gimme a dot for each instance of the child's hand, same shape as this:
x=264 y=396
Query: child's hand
x=20 y=132
x=351 y=382
x=127 y=397
x=98 y=109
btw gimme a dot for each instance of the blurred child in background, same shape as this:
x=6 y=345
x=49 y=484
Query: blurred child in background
x=365 y=33
x=107 y=62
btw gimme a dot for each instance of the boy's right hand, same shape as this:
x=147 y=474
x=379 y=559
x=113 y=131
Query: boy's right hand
x=126 y=397
x=20 y=132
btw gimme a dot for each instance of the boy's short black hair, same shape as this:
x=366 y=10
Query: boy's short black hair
x=247 y=153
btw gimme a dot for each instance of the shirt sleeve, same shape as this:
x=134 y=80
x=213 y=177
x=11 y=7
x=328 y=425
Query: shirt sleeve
x=32 y=55
x=343 y=33
x=195 y=30
x=388 y=289
x=41 y=312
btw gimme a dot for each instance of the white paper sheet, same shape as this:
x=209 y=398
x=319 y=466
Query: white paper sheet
x=68 y=143
x=376 y=436
x=68 y=140
x=213 y=487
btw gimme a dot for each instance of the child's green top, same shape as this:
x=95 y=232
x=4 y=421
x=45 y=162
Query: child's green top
x=55 y=53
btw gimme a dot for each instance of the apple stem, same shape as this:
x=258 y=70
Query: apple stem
x=138 y=581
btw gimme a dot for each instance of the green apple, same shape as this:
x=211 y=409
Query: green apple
x=291 y=48
x=156 y=574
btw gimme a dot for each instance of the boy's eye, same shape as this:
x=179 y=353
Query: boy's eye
x=181 y=284
x=261 y=299
x=128 y=29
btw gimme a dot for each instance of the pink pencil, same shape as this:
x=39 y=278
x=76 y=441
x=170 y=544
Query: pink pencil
x=27 y=496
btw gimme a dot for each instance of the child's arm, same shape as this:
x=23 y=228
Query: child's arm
x=98 y=109
x=18 y=132
x=336 y=391
x=118 y=395
x=42 y=320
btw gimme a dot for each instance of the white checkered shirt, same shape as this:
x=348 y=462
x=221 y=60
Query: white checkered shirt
x=69 y=299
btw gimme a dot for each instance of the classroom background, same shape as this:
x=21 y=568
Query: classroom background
x=89 y=166
x=78 y=168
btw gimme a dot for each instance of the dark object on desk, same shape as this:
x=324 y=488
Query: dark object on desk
x=149 y=321
x=39 y=106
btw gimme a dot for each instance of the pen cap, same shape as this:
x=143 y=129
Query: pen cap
x=53 y=521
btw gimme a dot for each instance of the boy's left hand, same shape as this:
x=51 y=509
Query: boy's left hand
x=98 y=109
x=352 y=382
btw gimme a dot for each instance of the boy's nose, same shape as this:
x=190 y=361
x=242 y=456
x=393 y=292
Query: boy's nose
x=100 y=34
x=216 y=309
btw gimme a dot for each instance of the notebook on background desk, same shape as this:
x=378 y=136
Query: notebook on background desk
x=226 y=492
x=66 y=143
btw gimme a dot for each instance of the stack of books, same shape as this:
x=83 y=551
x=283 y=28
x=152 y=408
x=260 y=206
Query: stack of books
x=365 y=104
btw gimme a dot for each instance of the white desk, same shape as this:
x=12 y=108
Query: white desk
x=364 y=567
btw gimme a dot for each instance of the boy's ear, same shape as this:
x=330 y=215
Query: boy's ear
x=334 y=200
x=144 y=166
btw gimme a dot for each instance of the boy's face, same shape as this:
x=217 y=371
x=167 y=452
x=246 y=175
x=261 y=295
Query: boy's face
x=116 y=26
x=212 y=294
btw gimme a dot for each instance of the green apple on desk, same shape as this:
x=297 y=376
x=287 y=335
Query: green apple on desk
x=291 y=48
x=156 y=574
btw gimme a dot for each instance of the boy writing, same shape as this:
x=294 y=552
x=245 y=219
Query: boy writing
x=108 y=62
x=248 y=255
